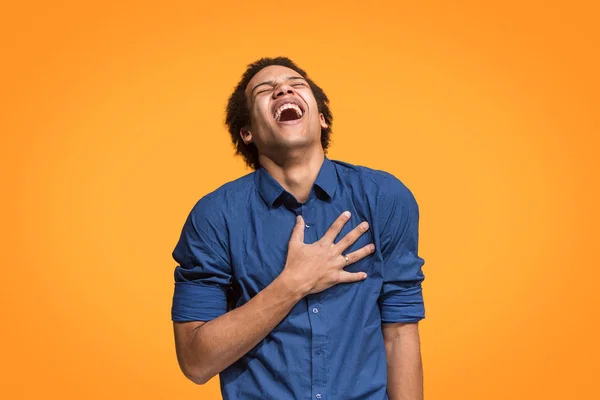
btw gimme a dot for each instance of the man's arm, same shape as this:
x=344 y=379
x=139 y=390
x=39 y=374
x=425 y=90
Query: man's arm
x=404 y=366
x=204 y=349
x=401 y=298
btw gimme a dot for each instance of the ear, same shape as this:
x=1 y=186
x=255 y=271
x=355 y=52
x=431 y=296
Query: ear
x=322 y=121
x=246 y=135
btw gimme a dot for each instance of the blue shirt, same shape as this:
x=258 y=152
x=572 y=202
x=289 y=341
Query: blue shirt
x=330 y=346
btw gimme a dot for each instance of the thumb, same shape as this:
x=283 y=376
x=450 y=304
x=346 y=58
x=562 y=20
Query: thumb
x=298 y=231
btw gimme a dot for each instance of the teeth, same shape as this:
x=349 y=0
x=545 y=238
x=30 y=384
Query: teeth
x=284 y=107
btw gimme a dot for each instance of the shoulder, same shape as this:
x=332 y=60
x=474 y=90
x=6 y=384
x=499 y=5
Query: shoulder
x=224 y=201
x=384 y=185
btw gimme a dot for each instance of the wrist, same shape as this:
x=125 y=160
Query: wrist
x=291 y=286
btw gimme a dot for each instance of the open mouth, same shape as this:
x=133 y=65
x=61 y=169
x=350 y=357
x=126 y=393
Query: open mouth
x=288 y=112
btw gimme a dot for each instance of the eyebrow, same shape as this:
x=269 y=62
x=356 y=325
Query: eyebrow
x=273 y=82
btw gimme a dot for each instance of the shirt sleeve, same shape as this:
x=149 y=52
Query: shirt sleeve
x=203 y=276
x=401 y=297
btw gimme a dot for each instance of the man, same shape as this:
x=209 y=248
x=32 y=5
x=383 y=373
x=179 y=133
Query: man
x=300 y=280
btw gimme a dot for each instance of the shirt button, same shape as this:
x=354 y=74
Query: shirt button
x=319 y=352
x=318 y=396
x=307 y=225
x=315 y=310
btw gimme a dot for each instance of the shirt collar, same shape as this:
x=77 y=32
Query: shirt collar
x=270 y=190
x=327 y=178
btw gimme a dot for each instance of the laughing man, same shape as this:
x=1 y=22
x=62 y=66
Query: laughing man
x=300 y=280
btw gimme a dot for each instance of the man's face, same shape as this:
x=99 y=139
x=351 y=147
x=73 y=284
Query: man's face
x=283 y=111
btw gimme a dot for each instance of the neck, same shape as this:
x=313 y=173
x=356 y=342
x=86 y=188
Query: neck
x=296 y=173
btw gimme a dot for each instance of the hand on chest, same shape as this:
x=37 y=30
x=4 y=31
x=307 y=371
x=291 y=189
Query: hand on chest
x=259 y=252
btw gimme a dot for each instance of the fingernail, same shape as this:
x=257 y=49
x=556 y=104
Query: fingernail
x=372 y=247
x=298 y=218
x=347 y=214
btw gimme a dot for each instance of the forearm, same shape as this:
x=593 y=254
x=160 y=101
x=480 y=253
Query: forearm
x=217 y=344
x=404 y=365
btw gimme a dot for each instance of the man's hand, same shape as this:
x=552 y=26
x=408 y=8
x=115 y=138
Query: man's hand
x=312 y=268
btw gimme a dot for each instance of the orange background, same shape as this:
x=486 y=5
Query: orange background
x=112 y=128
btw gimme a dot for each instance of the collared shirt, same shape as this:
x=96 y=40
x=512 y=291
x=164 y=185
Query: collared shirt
x=330 y=346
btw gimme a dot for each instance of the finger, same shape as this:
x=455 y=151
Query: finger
x=336 y=227
x=298 y=231
x=348 y=277
x=359 y=254
x=352 y=236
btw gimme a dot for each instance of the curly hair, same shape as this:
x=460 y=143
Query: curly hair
x=238 y=113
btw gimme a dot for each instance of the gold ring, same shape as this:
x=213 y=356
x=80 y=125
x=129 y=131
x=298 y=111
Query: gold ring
x=347 y=260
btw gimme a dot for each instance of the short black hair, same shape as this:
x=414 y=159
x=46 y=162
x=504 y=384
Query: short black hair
x=238 y=113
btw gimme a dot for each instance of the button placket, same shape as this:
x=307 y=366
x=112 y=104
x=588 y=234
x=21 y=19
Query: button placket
x=315 y=310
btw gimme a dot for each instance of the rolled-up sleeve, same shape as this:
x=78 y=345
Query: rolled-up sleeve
x=401 y=297
x=203 y=276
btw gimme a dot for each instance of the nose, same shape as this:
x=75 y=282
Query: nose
x=283 y=89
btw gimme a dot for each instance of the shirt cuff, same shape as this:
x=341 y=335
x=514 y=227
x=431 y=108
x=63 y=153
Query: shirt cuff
x=404 y=305
x=198 y=302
